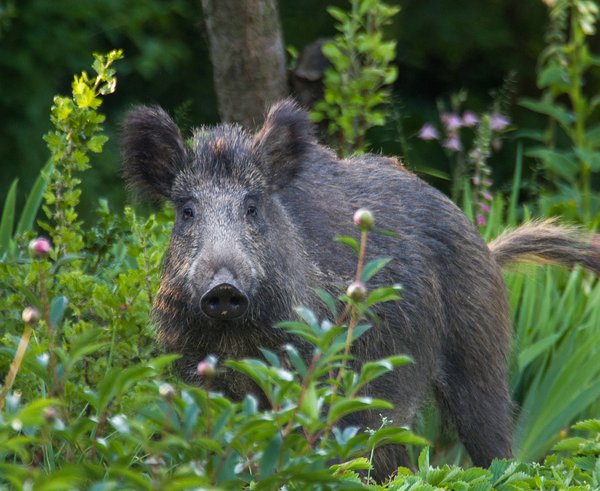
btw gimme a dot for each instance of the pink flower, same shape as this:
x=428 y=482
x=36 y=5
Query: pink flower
x=480 y=220
x=207 y=368
x=428 y=132
x=451 y=121
x=40 y=247
x=453 y=143
x=364 y=219
x=487 y=195
x=469 y=119
x=498 y=122
x=485 y=208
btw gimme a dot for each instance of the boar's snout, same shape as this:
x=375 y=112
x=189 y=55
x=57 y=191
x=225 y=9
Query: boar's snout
x=224 y=298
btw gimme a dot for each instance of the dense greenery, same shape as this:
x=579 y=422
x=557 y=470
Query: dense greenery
x=88 y=402
x=443 y=46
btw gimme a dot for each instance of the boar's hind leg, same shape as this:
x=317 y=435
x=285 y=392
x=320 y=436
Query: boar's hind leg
x=475 y=397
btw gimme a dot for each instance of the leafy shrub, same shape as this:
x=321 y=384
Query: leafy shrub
x=92 y=404
x=355 y=85
x=569 y=150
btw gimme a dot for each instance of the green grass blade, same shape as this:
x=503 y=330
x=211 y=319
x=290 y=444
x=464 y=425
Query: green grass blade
x=34 y=200
x=516 y=187
x=8 y=218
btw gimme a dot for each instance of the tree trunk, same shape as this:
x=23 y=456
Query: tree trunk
x=248 y=57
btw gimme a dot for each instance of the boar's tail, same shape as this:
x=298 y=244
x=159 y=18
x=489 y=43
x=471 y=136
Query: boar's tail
x=547 y=242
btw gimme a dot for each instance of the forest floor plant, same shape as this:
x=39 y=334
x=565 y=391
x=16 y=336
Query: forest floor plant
x=569 y=149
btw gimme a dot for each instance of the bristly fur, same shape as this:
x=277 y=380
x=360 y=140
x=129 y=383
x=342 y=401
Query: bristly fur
x=152 y=151
x=284 y=142
x=547 y=242
x=267 y=209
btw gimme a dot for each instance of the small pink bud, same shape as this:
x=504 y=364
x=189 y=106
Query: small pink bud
x=485 y=208
x=207 y=368
x=30 y=315
x=40 y=247
x=167 y=391
x=357 y=291
x=50 y=414
x=364 y=219
x=480 y=220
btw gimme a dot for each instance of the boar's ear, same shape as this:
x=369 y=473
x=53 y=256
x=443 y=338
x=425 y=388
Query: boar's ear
x=283 y=142
x=152 y=150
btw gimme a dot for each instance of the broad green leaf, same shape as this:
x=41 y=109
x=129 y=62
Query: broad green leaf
x=394 y=435
x=372 y=370
x=384 y=294
x=554 y=110
x=349 y=241
x=373 y=267
x=344 y=407
x=560 y=163
x=58 y=306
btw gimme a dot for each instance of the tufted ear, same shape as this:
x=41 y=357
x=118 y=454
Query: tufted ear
x=283 y=142
x=152 y=150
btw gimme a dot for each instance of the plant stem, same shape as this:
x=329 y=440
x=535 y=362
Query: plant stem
x=16 y=364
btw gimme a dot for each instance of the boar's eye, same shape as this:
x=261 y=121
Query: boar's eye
x=251 y=211
x=188 y=213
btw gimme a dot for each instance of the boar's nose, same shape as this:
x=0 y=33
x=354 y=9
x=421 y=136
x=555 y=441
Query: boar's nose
x=224 y=298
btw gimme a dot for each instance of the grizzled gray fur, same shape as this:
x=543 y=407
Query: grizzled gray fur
x=256 y=216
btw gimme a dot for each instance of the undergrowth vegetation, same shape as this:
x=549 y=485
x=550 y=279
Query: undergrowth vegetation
x=87 y=401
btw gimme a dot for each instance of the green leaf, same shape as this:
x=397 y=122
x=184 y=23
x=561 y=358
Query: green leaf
x=373 y=267
x=271 y=357
x=372 y=370
x=8 y=218
x=424 y=459
x=348 y=406
x=560 y=163
x=96 y=143
x=117 y=381
x=296 y=359
x=338 y=14
x=329 y=300
x=588 y=425
x=383 y=294
x=32 y=204
x=530 y=353
x=349 y=241
x=554 y=76
x=83 y=345
x=58 y=306
x=395 y=435
x=570 y=444
x=554 y=110
x=270 y=457
x=310 y=402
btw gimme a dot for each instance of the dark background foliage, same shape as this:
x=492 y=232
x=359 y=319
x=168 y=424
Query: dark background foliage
x=443 y=46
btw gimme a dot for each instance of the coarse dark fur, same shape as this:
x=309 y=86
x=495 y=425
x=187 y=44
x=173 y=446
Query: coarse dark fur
x=267 y=207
